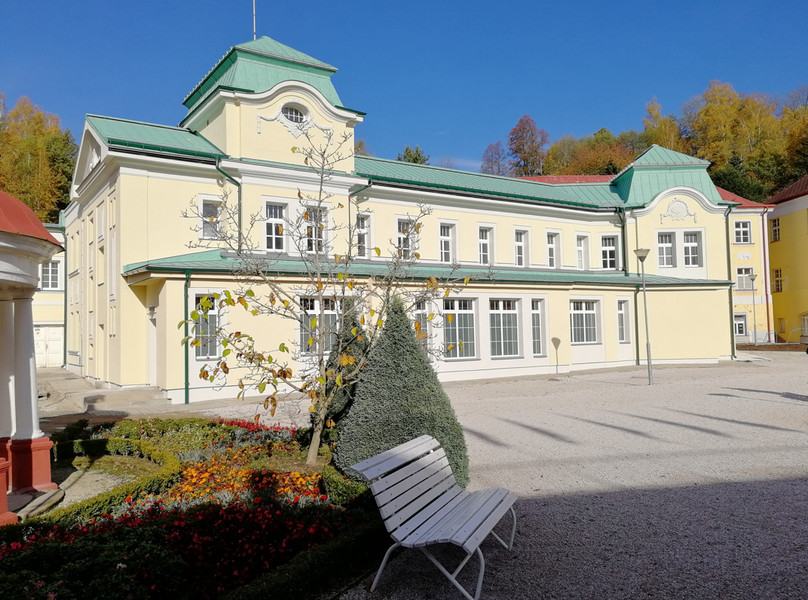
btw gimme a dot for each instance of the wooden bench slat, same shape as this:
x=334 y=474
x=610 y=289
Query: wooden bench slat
x=394 y=485
x=390 y=460
x=418 y=502
x=424 y=463
x=495 y=515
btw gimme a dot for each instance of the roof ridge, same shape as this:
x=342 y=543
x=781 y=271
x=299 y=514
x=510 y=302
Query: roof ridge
x=446 y=169
x=135 y=122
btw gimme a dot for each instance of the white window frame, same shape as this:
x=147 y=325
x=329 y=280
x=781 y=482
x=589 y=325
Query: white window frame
x=316 y=219
x=50 y=276
x=804 y=319
x=743 y=279
x=446 y=242
x=406 y=237
x=362 y=230
x=310 y=310
x=462 y=320
x=537 y=325
x=584 y=322
x=582 y=252
x=504 y=327
x=666 y=250
x=208 y=226
x=209 y=347
x=692 y=249
x=420 y=315
x=275 y=226
x=775 y=236
x=743 y=232
x=520 y=248
x=485 y=238
x=608 y=253
x=623 y=322
x=553 y=250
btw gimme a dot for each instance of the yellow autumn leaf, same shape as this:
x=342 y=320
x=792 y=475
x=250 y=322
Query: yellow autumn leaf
x=350 y=285
x=377 y=251
x=450 y=318
x=417 y=326
x=466 y=281
x=430 y=317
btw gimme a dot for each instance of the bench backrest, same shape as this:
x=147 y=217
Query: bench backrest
x=409 y=482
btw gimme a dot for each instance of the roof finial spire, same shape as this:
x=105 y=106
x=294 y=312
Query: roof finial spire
x=253 y=19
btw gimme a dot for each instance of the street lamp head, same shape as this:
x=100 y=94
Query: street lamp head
x=752 y=277
x=642 y=253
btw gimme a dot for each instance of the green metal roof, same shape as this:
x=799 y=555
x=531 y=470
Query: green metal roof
x=658 y=169
x=218 y=261
x=408 y=174
x=155 y=138
x=258 y=66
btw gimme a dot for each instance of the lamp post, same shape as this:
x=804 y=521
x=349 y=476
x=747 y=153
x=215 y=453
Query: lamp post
x=752 y=278
x=642 y=254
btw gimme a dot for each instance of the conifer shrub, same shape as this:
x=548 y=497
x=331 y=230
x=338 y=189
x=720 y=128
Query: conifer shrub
x=398 y=398
x=350 y=341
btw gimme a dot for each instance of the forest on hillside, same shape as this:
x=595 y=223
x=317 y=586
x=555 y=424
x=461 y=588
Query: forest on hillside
x=756 y=144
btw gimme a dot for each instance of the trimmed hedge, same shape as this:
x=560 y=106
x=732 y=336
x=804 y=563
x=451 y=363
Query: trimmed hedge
x=82 y=512
x=399 y=398
x=339 y=489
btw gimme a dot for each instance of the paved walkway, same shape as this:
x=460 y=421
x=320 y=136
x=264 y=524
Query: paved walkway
x=695 y=487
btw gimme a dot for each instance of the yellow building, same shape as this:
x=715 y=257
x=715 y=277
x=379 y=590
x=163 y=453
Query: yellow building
x=753 y=318
x=788 y=235
x=554 y=284
x=49 y=306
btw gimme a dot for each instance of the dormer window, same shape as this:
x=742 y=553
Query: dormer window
x=293 y=114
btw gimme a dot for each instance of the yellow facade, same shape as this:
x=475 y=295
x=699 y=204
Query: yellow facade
x=788 y=233
x=554 y=284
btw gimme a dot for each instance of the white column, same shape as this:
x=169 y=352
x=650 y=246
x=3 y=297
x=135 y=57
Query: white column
x=25 y=392
x=7 y=408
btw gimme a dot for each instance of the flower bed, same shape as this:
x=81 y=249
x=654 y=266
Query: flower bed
x=230 y=516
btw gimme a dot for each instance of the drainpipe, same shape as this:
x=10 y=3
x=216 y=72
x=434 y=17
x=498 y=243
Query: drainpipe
x=64 y=331
x=238 y=185
x=764 y=240
x=729 y=289
x=187 y=367
x=621 y=214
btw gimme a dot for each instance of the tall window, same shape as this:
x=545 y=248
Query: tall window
x=49 y=275
x=446 y=242
x=553 y=257
x=584 y=321
x=458 y=329
x=608 y=252
x=665 y=250
x=315 y=229
x=315 y=328
x=275 y=224
x=775 y=230
x=504 y=328
x=520 y=248
x=692 y=249
x=210 y=219
x=205 y=327
x=743 y=232
x=421 y=323
x=744 y=279
x=582 y=249
x=407 y=242
x=536 y=326
x=622 y=321
x=362 y=235
x=777 y=280
x=805 y=324
x=484 y=244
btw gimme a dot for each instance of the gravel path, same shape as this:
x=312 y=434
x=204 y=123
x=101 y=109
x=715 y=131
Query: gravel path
x=693 y=488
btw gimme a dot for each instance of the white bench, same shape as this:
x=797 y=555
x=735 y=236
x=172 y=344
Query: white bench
x=422 y=505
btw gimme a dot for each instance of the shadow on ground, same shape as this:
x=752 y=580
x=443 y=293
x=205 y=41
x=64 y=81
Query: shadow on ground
x=727 y=541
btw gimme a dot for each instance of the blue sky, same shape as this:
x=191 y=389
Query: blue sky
x=449 y=76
